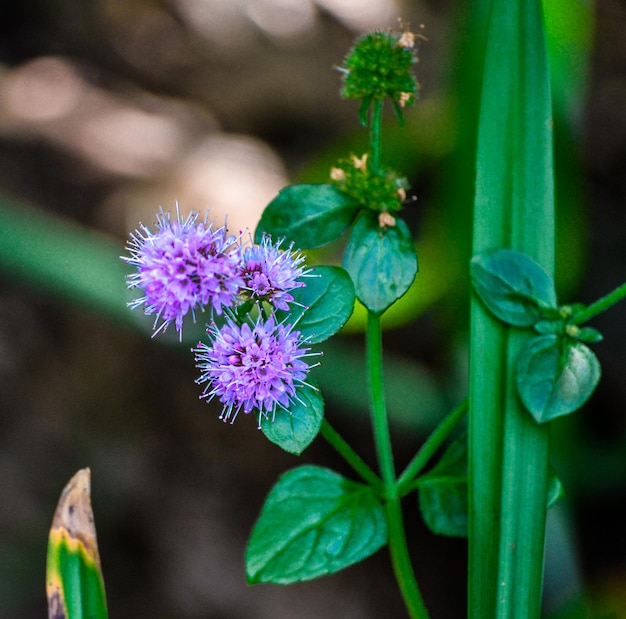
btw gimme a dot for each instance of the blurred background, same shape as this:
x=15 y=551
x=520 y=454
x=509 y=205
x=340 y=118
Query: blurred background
x=110 y=109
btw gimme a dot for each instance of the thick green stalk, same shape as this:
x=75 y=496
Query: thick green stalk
x=514 y=207
x=397 y=538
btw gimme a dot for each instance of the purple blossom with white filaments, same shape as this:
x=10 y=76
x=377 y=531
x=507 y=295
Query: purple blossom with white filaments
x=270 y=273
x=255 y=366
x=185 y=266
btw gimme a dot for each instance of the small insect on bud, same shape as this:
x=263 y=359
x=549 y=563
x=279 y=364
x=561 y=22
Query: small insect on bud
x=386 y=220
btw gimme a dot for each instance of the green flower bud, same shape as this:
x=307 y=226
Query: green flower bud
x=378 y=66
x=384 y=191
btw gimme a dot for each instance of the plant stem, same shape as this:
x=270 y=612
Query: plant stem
x=382 y=436
x=397 y=538
x=350 y=456
x=401 y=561
x=375 y=131
x=398 y=548
x=428 y=449
x=601 y=305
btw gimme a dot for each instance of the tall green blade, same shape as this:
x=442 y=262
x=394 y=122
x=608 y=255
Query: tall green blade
x=74 y=583
x=514 y=208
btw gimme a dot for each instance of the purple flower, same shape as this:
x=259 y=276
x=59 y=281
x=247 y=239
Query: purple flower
x=270 y=273
x=184 y=266
x=252 y=367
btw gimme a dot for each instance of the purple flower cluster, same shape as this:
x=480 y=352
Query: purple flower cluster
x=186 y=266
x=270 y=273
x=252 y=367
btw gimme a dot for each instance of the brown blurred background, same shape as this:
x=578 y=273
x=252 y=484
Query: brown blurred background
x=109 y=109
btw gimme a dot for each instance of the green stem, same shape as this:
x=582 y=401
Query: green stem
x=375 y=131
x=398 y=548
x=401 y=561
x=382 y=436
x=428 y=449
x=397 y=538
x=601 y=305
x=350 y=456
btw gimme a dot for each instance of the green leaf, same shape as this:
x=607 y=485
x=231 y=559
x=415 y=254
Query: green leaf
x=314 y=522
x=589 y=335
x=327 y=302
x=513 y=207
x=74 y=582
x=555 y=376
x=294 y=430
x=555 y=489
x=364 y=110
x=308 y=215
x=550 y=327
x=381 y=261
x=513 y=287
x=443 y=492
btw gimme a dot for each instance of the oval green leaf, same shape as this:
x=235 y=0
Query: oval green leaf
x=294 y=430
x=555 y=376
x=326 y=304
x=314 y=522
x=589 y=335
x=308 y=215
x=513 y=287
x=443 y=498
x=381 y=261
x=443 y=492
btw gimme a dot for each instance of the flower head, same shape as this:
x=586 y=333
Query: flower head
x=252 y=367
x=186 y=265
x=381 y=65
x=381 y=190
x=270 y=272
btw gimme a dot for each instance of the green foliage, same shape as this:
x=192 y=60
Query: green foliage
x=381 y=261
x=443 y=492
x=325 y=304
x=443 y=497
x=513 y=208
x=555 y=376
x=308 y=215
x=514 y=288
x=295 y=429
x=555 y=372
x=314 y=522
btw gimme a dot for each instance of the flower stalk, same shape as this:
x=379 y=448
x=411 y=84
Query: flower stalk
x=398 y=548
